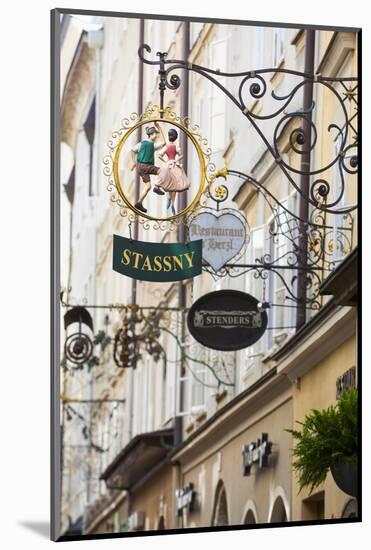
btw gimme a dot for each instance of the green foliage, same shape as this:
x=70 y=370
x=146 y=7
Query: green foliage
x=93 y=361
x=328 y=437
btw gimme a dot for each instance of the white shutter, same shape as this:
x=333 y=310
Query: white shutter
x=283 y=313
x=256 y=250
x=255 y=286
x=198 y=379
x=280 y=249
x=149 y=400
x=172 y=376
x=159 y=394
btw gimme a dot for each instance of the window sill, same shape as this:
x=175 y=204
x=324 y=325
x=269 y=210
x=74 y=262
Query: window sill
x=189 y=427
x=201 y=417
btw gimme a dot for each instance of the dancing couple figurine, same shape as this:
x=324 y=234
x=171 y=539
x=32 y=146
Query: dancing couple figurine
x=170 y=177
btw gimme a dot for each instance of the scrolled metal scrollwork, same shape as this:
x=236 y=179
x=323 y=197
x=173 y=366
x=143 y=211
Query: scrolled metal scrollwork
x=342 y=89
x=78 y=348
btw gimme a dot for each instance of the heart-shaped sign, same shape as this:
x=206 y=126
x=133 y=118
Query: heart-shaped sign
x=223 y=233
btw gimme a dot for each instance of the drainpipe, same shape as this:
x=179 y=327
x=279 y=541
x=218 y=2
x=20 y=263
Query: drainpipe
x=138 y=139
x=184 y=105
x=136 y=227
x=182 y=202
x=305 y=178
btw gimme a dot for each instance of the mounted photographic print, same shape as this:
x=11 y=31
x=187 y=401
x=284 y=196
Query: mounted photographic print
x=205 y=234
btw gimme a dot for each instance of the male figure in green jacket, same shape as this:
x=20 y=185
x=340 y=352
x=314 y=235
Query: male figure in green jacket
x=143 y=157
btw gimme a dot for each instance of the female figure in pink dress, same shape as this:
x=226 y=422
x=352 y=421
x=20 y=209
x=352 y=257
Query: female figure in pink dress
x=171 y=177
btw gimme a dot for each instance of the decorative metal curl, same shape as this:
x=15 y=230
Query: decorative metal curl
x=319 y=189
x=351 y=165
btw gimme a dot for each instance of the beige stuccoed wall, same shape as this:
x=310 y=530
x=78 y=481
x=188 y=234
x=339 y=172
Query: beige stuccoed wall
x=205 y=465
x=155 y=498
x=317 y=389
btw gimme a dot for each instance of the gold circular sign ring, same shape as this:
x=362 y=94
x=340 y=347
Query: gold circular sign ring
x=200 y=156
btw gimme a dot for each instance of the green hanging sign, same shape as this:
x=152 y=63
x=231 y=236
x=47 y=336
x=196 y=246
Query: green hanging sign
x=159 y=262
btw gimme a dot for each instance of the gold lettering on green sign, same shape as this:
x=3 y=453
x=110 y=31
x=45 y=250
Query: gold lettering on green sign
x=166 y=263
x=189 y=258
x=147 y=264
x=137 y=260
x=157 y=263
x=125 y=257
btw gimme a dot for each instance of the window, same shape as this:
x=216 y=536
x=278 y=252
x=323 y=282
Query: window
x=198 y=382
x=148 y=421
x=283 y=229
x=277 y=290
x=160 y=374
x=220 y=512
x=255 y=285
x=249 y=518
x=183 y=401
x=191 y=398
x=279 y=512
x=256 y=252
x=172 y=381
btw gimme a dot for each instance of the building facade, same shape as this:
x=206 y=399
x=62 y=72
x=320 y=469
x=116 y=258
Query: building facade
x=168 y=441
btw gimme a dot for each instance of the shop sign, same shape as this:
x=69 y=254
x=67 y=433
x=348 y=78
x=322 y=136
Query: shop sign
x=256 y=453
x=227 y=320
x=159 y=262
x=224 y=234
x=185 y=499
x=345 y=382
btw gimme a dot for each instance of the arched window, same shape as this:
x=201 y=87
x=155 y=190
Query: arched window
x=249 y=514
x=220 y=510
x=350 y=509
x=249 y=518
x=279 y=512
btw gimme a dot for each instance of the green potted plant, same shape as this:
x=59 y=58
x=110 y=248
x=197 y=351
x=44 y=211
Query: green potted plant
x=328 y=441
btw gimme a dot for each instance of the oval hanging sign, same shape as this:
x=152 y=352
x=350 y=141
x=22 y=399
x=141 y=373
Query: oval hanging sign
x=227 y=320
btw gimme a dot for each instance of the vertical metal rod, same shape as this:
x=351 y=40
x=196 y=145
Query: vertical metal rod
x=305 y=178
x=136 y=227
x=184 y=111
x=138 y=138
x=162 y=83
x=182 y=202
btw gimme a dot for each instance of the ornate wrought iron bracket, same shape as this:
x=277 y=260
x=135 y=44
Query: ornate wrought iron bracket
x=297 y=122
